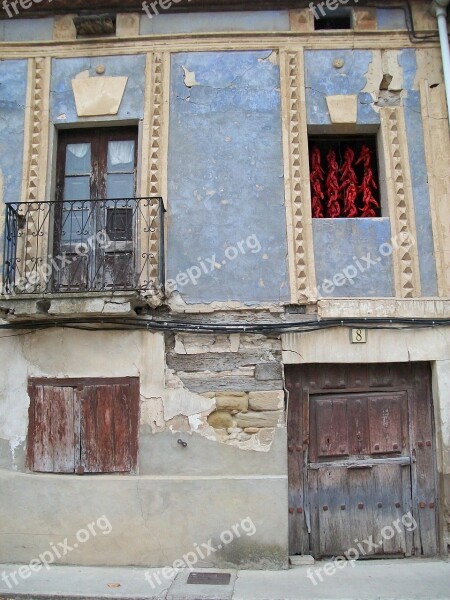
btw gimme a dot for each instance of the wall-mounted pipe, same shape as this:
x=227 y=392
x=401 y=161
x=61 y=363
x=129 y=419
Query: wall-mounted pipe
x=440 y=7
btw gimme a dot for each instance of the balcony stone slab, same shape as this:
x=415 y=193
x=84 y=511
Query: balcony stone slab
x=21 y=308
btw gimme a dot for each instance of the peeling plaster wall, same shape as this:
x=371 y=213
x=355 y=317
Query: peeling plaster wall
x=233 y=474
x=323 y=79
x=62 y=103
x=226 y=178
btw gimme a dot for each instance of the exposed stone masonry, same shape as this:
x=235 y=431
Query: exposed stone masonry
x=242 y=373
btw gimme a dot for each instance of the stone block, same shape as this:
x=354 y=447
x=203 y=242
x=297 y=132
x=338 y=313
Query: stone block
x=300 y=561
x=343 y=108
x=266 y=400
x=301 y=19
x=64 y=28
x=260 y=419
x=220 y=419
x=238 y=401
x=98 y=96
x=127 y=25
x=364 y=19
x=268 y=371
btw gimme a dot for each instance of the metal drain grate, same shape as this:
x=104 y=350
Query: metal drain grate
x=209 y=578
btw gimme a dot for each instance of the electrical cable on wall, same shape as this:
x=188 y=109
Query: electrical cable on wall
x=172 y=325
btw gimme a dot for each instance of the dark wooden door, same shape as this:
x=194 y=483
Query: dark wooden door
x=360 y=459
x=96 y=238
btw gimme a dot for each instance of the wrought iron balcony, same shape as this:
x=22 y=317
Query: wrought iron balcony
x=84 y=246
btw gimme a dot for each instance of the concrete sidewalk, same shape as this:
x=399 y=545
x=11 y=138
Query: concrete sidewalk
x=409 y=579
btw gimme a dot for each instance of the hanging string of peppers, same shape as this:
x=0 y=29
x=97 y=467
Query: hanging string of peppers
x=368 y=184
x=338 y=193
x=317 y=177
x=349 y=185
x=333 y=205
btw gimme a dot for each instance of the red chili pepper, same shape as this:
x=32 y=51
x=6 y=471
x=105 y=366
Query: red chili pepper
x=317 y=177
x=370 y=204
x=333 y=206
x=349 y=185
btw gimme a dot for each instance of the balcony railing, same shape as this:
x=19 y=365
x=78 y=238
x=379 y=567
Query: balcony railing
x=84 y=246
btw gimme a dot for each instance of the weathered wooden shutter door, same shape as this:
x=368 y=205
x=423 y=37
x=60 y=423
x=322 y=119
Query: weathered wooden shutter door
x=109 y=423
x=53 y=431
x=424 y=474
x=360 y=472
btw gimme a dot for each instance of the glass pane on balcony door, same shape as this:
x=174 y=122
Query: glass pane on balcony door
x=120 y=176
x=121 y=156
x=77 y=188
x=78 y=159
x=77 y=172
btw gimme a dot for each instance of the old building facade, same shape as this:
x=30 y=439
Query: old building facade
x=225 y=281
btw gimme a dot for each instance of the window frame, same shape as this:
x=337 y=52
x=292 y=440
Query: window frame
x=372 y=140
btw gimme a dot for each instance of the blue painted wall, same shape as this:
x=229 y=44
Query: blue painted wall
x=389 y=19
x=26 y=30
x=206 y=22
x=353 y=257
x=323 y=79
x=226 y=179
x=13 y=87
x=65 y=69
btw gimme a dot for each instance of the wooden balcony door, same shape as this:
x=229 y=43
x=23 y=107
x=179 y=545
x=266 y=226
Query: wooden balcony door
x=95 y=217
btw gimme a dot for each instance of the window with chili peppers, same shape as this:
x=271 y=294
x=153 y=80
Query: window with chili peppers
x=344 y=177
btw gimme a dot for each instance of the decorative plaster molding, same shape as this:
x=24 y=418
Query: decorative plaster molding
x=32 y=244
x=152 y=173
x=300 y=243
x=379 y=40
x=398 y=180
x=36 y=129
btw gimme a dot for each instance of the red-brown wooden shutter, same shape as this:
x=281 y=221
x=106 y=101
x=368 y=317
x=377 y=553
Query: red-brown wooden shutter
x=109 y=423
x=79 y=428
x=53 y=429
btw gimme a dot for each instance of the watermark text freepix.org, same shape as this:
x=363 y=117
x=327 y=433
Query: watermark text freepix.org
x=43 y=271
x=363 y=548
x=12 y=10
x=362 y=264
x=319 y=9
x=57 y=551
x=157 y=5
x=202 y=552
x=208 y=265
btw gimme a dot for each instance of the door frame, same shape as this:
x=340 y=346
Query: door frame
x=305 y=380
